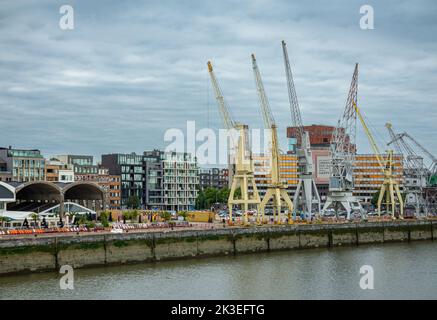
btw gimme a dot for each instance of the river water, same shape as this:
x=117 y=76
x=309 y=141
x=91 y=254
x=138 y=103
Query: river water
x=401 y=271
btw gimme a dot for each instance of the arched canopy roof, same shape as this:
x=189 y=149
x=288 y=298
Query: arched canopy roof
x=83 y=190
x=38 y=190
x=7 y=192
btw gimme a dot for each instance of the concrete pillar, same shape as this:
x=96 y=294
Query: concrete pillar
x=61 y=207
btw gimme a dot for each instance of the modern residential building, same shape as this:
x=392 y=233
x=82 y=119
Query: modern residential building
x=57 y=171
x=213 y=178
x=153 y=177
x=23 y=165
x=5 y=175
x=180 y=180
x=162 y=181
x=129 y=167
x=82 y=164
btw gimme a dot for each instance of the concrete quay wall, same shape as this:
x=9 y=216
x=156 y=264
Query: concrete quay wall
x=18 y=255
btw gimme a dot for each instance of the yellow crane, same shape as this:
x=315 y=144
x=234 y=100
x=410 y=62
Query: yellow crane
x=277 y=189
x=390 y=186
x=243 y=177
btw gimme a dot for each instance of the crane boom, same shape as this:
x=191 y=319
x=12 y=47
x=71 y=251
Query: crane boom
x=266 y=111
x=292 y=96
x=372 y=141
x=269 y=120
x=228 y=122
x=424 y=150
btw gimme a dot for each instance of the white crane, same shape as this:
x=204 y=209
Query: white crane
x=306 y=197
x=343 y=150
x=421 y=179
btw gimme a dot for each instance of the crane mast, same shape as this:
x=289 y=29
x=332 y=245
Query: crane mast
x=343 y=149
x=306 y=184
x=390 y=187
x=276 y=189
x=243 y=177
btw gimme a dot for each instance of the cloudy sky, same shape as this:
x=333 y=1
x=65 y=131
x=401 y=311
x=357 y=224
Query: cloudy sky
x=131 y=70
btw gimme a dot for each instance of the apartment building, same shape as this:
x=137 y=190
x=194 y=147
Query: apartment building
x=22 y=165
x=162 y=181
x=57 y=171
x=217 y=178
x=180 y=180
x=82 y=164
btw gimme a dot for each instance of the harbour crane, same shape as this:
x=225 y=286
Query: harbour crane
x=276 y=189
x=433 y=166
x=415 y=172
x=390 y=187
x=343 y=150
x=243 y=177
x=306 y=184
x=422 y=179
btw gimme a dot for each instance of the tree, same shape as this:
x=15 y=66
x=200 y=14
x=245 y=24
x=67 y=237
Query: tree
x=165 y=215
x=35 y=218
x=183 y=214
x=206 y=198
x=133 y=202
x=375 y=197
x=3 y=220
x=104 y=217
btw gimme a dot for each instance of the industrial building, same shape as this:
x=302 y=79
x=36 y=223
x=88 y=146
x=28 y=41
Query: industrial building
x=110 y=184
x=320 y=138
x=288 y=172
x=368 y=175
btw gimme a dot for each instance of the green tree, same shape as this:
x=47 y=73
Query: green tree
x=104 y=215
x=3 y=220
x=200 y=201
x=206 y=198
x=165 y=215
x=133 y=202
x=35 y=218
x=183 y=214
x=375 y=197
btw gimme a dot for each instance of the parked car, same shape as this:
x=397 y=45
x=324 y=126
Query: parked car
x=237 y=213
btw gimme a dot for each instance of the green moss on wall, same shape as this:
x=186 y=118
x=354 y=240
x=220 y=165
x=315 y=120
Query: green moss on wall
x=28 y=249
x=82 y=246
x=175 y=240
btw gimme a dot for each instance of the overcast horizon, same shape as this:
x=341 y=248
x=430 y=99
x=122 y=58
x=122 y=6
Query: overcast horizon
x=130 y=71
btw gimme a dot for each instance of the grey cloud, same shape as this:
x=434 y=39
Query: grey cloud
x=130 y=70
